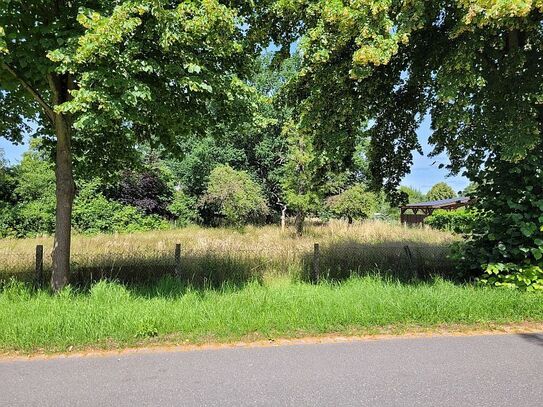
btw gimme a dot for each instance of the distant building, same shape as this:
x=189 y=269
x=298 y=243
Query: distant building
x=414 y=214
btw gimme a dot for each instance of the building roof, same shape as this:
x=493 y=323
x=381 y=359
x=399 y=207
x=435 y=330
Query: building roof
x=443 y=203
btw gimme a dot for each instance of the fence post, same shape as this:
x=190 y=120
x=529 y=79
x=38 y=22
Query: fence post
x=410 y=256
x=39 y=265
x=315 y=272
x=178 y=261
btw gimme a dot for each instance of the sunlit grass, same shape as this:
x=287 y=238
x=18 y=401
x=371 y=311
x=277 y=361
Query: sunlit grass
x=111 y=315
x=226 y=254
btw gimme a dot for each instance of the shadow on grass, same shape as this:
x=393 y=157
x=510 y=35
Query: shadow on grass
x=408 y=262
x=405 y=261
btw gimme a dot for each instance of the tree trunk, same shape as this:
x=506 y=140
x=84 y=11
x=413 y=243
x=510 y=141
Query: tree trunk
x=299 y=223
x=349 y=220
x=65 y=188
x=283 y=218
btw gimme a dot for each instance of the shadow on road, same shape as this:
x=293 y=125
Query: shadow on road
x=535 y=339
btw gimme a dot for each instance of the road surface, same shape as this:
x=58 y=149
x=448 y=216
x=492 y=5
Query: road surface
x=502 y=370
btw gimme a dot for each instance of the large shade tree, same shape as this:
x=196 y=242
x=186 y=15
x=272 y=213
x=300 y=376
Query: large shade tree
x=95 y=78
x=475 y=66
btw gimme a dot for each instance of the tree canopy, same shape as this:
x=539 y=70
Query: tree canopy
x=98 y=78
x=440 y=191
x=474 y=66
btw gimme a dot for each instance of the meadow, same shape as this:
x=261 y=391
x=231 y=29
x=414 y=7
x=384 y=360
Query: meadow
x=212 y=256
x=247 y=284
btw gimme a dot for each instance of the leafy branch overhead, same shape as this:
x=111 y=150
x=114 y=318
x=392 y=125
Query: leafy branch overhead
x=472 y=65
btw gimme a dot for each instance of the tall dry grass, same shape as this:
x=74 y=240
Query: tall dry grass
x=212 y=256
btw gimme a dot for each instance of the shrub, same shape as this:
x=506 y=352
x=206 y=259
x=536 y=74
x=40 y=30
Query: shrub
x=460 y=221
x=35 y=217
x=354 y=203
x=94 y=213
x=506 y=243
x=183 y=208
x=146 y=190
x=234 y=196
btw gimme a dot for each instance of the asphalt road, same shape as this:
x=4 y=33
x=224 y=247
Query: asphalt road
x=444 y=371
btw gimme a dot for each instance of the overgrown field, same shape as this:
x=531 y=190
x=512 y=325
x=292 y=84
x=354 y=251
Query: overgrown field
x=214 y=256
x=245 y=284
x=111 y=315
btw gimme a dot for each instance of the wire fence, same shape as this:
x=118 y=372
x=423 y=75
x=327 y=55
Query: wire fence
x=217 y=265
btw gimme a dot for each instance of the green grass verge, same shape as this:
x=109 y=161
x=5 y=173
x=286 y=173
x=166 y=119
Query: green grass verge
x=111 y=315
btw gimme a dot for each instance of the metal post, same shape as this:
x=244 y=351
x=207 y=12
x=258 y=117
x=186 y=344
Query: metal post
x=178 y=260
x=316 y=264
x=39 y=265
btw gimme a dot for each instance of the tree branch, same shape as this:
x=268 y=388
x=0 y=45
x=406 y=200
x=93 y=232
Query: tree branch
x=33 y=92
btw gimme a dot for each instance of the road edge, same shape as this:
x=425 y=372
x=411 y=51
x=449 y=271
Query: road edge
x=385 y=334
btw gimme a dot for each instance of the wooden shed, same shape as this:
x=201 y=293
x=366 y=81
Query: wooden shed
x=413 y=214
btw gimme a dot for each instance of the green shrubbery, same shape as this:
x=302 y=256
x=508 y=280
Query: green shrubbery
x=184 y=209
x=460 y=221
x=354 y=203
x=93 y=213
x=506 y=243
x=234 y=196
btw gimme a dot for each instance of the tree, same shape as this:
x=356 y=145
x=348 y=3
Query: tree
x=413 y=195
x=474 y=66
x=355 y=203
x=100 y=77
x=7 y=182
x=146 y=190
x=300 y=182
x=440 y=191
x=234 y=196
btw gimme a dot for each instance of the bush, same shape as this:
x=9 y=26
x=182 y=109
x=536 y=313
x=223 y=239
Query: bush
x=234 y=196
x=354 y=203
x=147 y=191
x=506 y=243
x=183 y=208
x=460 y=221
x=94 y=213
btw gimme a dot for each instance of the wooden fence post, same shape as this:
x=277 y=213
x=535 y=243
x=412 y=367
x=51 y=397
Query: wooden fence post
x=178 y=261
x=315 y=272
x=39 y=265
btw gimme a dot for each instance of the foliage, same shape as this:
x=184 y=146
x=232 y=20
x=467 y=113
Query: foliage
x=98 y=78
x=473 y=65
x=93 y=213
x=440 y=191
x=413 y=195
x=34 y=210
x=300 y=183
x=146 y=190
x=508 y=241
x=355 y=203
x=459 y=221
x=235 y=196
x=184 y=209
x=7 y=181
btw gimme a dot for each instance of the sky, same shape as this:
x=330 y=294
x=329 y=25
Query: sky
x=425 y=172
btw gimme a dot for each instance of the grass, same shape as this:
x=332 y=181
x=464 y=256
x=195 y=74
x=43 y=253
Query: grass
x=244 y=284
x=220 y=255
x=112 y=315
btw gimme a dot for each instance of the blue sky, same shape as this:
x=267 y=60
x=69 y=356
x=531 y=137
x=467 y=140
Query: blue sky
x=425 y=171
